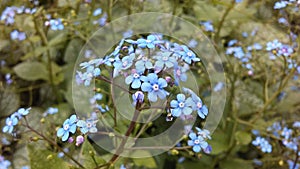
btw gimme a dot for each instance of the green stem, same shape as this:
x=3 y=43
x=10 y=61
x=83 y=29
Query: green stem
x=219 y=27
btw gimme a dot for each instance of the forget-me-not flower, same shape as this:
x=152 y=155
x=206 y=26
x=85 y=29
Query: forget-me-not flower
x=155 y=87
x=181 y=105
x=197 y=142
x=69 y=126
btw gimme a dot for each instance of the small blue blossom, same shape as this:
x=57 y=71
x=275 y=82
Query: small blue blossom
x=232 y=42
x=280 y=5
x=10 y=123
x=285 y=50
x=286 y=133
x=87 y=126
x=69 y=126
x=263 y=144
x=101 y=109
x=143 y=63
x=292 y=164
x=207 y=26
x=164 y=59
x=97 y=12
x=16 y=35
x=21 y=112
x=134 y=79
x=150 y=42
x=155 y=87
x=55 y=24
x=8 y=78
x=50 y=111
x=218 y=87
x=180 y=73
x=181 y=105
x=187 y=55
x=125 y=62
x=96 y=97
x=192 y=43
x=197 y=142
x=199 y=107
x=274 y=45
x=4 y=164
x=203 y=133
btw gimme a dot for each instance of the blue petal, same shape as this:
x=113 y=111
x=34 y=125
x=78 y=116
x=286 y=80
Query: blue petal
x=174 y=103
x=181 y=97
x=204 y=110
x=189 y=102
x=65 y=137
x=191 y=143
x=73 y=119
x=129 y=79
x=5 y=129
x=152 y=96
x=81 y=123
x=162 y=83
x=14 y=121
x=66 y=122
x=84 y=130
x=146 y=87
x=169 y=64
x=176 y=112
x=152 y=77
x=196 y=148
x=203 y=144
x=60 y=132
x=136 y=84
x=161 y=94
x=159 y=64
x=73 y=128
x=151 y=37
x=187 y=111
x=150 y=45
x=193 y=136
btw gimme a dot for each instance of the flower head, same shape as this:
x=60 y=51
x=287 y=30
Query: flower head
x=69 y=126
x=87 y=126
x=197 y=142
x=155 y=87
x=10 y=123
x=181 y=106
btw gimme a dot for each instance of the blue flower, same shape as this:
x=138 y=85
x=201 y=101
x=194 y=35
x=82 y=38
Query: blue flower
x=154 y=86
x=150 y=42
x=187 y=55
x=69 y=126
x=292 y=164
x=199 y=107
x=97 y=12
x=51 y=110
x=281 y=4
x=274 y=45
x=143 y=63
x=87 y=76
x=135 y=80
x=285 y=50
x=180 y=73
x=238 y=1
x=56 y=24
x=197 y=142
x=87 y=126
x=207 y=26
x=17 y=35
x=96 y=97
x=181 y=106
x=10 y=123
x=164 y=59
x=286 y=133
x=22 y=112
x=4 y=164
x=232 y=42
x=263 y=144
x=192 y=43
x=203 y=133
x=125 y=62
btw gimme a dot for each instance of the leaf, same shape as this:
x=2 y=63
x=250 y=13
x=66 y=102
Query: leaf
x=31 y=71
x=148 y=162
x=9 y=101
x=243 y=137
x=73 y=50
x=235 y=163
x=36 y=52
x=219 y=142
x=90 y=158
x=39 y=159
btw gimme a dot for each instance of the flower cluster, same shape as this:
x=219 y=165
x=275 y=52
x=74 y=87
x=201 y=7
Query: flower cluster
x=9 y=13
x=276 y=48
x=17 y=35
x=284 y=3
x=263 y=144
x=13 y=119
x=70 y=126
x=199 y=140
x=55 y=24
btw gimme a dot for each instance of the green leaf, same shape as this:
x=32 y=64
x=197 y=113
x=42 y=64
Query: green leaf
x=243 y=137
x=219 y=142
x=73 y=50
x=39 y=159
x=31 y=71
x=36 y=52
x=235 y=163
x=90 y=158
x=9 y=101
x=148 y=162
